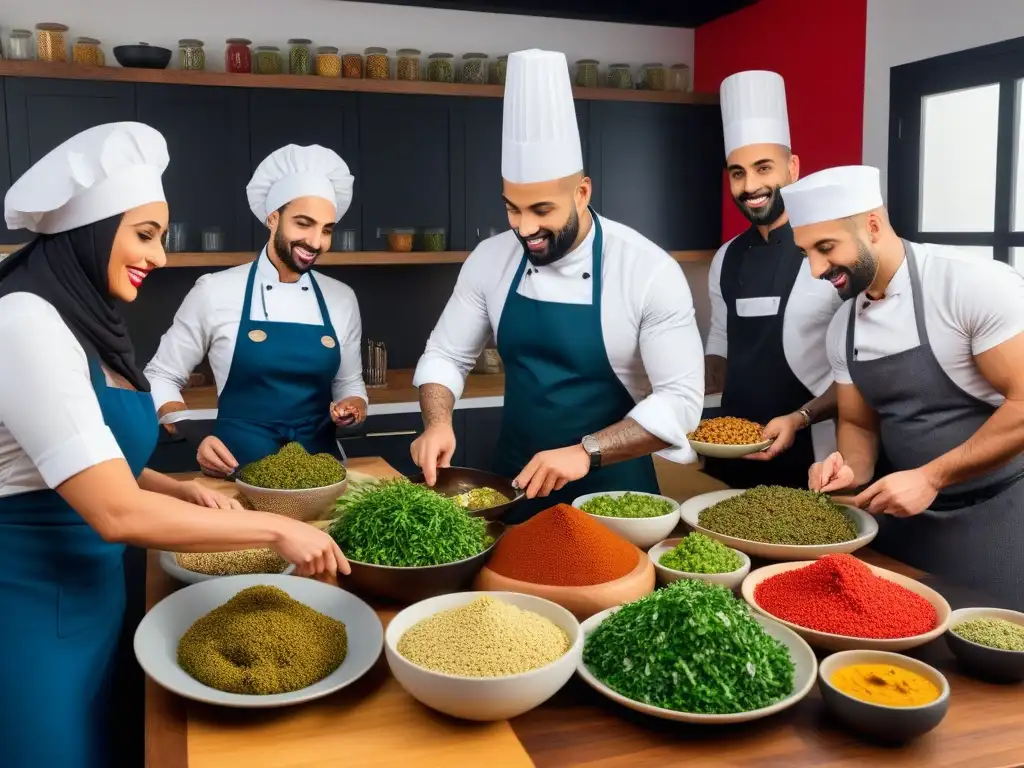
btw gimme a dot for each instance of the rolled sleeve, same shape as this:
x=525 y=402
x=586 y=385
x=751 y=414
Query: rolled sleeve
x=181 y=349
x=718 y=339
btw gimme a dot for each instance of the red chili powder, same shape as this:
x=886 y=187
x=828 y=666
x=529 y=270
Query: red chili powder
x=840 y=595
x=563 y=547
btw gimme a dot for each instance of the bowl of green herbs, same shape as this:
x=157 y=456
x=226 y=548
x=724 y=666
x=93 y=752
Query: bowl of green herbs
x=406 y=542
x=643 y=519
x=293 y=482
x=697 y=556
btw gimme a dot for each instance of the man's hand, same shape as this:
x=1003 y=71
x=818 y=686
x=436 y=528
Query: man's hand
x=196 y=493
x=714 y=374
x=434 y=449
x=832 y=474
x=782 y=432
x=901 y=494
x=350 y=411
x=552 y=470
x=214 y=457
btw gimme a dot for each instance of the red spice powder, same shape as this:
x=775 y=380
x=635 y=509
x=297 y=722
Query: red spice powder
x=840 y=595
x=563 y=547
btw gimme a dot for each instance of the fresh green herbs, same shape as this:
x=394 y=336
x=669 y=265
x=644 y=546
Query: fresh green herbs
x=690 y=647
x=699 y=554
x=627 y=505
x=777 y=515
x=292 y=468
x=402 y=524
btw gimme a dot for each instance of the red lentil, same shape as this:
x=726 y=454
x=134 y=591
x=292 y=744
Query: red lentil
x=840 y=595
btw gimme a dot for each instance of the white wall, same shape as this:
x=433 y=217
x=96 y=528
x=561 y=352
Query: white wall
x=902 y=31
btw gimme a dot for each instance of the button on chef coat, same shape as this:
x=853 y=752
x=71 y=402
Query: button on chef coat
x=206 y=324
x=647 y=319
x=970 y=306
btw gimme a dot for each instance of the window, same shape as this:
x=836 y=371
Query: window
x=956 y=151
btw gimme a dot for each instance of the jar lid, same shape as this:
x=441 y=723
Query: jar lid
x=408 y=52
x=587 y=62
x=48 y=26
x=620 y=65
x=373 y=50
x=503 y=57
x=300 y=41
x=655 y=65
x=680 y=66
x=326 y=49
x=440 y=56
x=21 y=33
x=474 y=56
x=189 y=42
x=433 y=231
x=87 y=41
x=351 y=55
x=402 y=231
x=268 y=48
x=238 y=41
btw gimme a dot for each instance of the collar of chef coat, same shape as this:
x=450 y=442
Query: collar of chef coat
x=900 y=283
x=577 y=260
x=268 y=274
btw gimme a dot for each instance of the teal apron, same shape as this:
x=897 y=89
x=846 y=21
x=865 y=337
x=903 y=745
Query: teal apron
x=559 y=387
x=62 y=599
x=279 y=386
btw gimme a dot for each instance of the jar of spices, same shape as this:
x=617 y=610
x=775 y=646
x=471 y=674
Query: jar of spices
x=620 y=76
x=52 y=42
x=238 y=57
x=434 y=239
x=378 y=64
x=353 y=65
x=408 y=64
x=300 y=60
x=586 y=73
x=268 y=60
x=328 y=62
x=655 y=76
x=441 y=68
x=191 y=56
x=400 y=240
x=498 y=70
x=474 y=68
x=679 y=78
x=19 y=45
x=87 y=52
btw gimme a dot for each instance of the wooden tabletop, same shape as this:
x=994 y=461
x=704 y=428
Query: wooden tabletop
x=375 y=724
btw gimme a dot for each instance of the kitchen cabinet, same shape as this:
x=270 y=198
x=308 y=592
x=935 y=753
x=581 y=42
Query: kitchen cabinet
x=390 y=437
x=479 y=436
x=6 y=236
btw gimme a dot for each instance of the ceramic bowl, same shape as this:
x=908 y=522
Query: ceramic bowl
x=142 y=56
x=992 y=664
x=867 y=529
x=644 y=532
x=482 y=698
x=804 y=661
x=306 y=505
x=170 y=566
x=732 y=579
x=832 y=642
x=451 y=481
x=892 y=724
x=719 y=451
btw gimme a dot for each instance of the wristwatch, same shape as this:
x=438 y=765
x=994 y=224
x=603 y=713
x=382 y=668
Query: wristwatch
x=593 y=449
x=807 y=416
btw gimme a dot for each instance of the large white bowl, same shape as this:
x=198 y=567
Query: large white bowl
x=666 y=575
x=306 y=504
x=867 y=529
x=644 y=532
x=720 y=451
x=482 y=698
x=171 y=567
x=804 y=662
x=159 y=632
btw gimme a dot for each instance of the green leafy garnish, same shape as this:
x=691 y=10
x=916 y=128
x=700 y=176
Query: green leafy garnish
x=627 y=505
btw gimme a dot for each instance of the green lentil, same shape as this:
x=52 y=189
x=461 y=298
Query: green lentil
x=300 y=61
x=699 y=554
x=485 y=638
x=293 y=468
x=191 y=56
x=586 y=73
x=440 y=68
x=433 y=240
x=690 y=647
x=267 y=60
x=630 y=505
x=993 y=633
x=232 y=563
x=620 y=76
x=778 y=515
x=474 y=68
x=499 y=69
x=262 y=642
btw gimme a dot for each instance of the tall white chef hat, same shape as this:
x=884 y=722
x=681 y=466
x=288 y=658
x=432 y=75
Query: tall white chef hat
x=834 y=193
x=293 y=172
x=96 y=174
x=754 y=110
x=540 y=140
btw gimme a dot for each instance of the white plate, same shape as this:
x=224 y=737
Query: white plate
x=719 y=451
x=867 y=529
x=170 y=565
x=732 y=579
x=157 y=637
x=642 y=532
x=804 y=673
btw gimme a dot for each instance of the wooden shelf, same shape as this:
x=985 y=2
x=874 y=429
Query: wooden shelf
x=314 y=83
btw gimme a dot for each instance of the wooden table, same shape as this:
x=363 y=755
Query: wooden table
x=374 y=724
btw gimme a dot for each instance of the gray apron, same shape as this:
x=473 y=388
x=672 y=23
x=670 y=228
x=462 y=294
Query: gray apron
x=973 y=533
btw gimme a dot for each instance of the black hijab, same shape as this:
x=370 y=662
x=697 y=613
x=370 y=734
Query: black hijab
x=69 y=270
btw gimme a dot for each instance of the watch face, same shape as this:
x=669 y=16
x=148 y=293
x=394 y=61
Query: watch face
x=590 y=444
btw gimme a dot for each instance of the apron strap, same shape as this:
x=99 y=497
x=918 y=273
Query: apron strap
x=597 y=266
x=328 y=325
x=245 y=321
x=916 y=294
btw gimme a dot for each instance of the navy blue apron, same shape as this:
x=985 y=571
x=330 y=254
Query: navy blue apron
x=559 y=387
x=279 y=387
x=62 y=599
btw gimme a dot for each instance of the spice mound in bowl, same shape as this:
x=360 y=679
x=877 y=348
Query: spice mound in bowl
x=696 y=553
x=642 y=519
x=293 y=469
x=779 y=515
x=728 y=437
x=242 y=561
x=989 y=642
x=627 y=505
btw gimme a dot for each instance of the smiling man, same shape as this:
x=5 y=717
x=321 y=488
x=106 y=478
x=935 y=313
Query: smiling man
x=594 y=323
x=284 y=342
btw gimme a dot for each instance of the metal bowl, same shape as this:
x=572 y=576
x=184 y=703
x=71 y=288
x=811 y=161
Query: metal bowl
x=455 y=480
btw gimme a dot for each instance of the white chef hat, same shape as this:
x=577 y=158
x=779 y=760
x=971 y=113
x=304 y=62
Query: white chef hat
x=834 y=193
x=96 y=174
x=754 y=110
x=293 y=172
x=540 y=140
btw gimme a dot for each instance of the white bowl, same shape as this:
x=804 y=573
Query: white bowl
x=482 y=698
x=305 y=504
x=644 y=532
x=867 y=529
x=160 y=631
x=804 y=662
x=732 y=579
x=719 y=451
x=169 y=563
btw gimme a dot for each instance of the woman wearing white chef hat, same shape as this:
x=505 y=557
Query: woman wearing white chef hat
x=77 y=426
x=284 y=343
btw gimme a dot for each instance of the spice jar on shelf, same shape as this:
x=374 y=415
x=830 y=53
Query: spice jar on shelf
x=400 y=239
x=434 y=239
x=19 y=45
x=620 y=76
x=87 y=52
x=655 y=76
x=474 y=68
x=267 y=60
x=679 y=78
x=586 y=73
x=441 y=68
x=352 y=64
x=52 y=42
x=191 y=56
x=408 y=64
x=300 y=60
x=328 y=62
x=498 y=70
x=345 y=240
x=237 y=56
x=378 y=64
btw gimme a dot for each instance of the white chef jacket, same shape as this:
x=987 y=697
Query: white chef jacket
x=647 y=319
x=970 y=305
x=207 y=323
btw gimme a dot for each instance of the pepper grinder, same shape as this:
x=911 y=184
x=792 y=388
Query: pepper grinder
x=375 y=366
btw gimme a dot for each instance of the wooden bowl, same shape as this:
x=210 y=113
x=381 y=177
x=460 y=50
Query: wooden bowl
x=583 y=602
x=451 y=481
x=306 y=504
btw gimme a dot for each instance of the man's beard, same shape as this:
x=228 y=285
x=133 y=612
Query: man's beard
x=558 y=243
x=283 y=248
x=764 y=215
x=858 y=277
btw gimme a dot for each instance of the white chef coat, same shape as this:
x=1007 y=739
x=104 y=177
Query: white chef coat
x=207 y=323
x=970 y=305
x=51 y=425
x=647 y=318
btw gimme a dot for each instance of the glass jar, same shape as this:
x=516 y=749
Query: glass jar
x=498 y=70
x=434 y=239
x=378 y=64
x=655 y=76
x=19 y=45
x=400 y=240
x=353 y=65
x=87 y=52
x=300 y=60
x=408 y=64
x=474 y=68
x=238 y=57
x=441 y=68
x=345 y=240
x=679 y=78
x=620 y=76
x=586 y=73
x=52 y=42
x=191 y=56
x=328 y=62
x=267 y=60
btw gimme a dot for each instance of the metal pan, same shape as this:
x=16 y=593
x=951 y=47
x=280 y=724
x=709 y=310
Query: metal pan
x=455 y=480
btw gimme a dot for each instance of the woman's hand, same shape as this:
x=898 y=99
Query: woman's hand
x=196 y=493
x=214 y=457
x=312 y=551
x=348 y=412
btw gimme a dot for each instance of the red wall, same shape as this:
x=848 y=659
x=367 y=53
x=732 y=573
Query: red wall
x=818 y=48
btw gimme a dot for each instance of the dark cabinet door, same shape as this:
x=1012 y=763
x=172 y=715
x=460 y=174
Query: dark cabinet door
x=389 y=437
x=480 y=436
x=6 y=236
x=207 y=132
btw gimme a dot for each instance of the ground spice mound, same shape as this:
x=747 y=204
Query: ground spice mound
x=261 y=642
x=840 y=595
x=563 y=547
